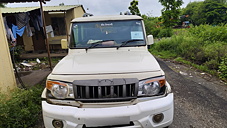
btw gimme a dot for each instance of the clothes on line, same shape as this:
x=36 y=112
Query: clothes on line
x=50 y=30
x=18 y=31
x=28 y=30
x=36 y=19
x=9 y=33
x=22 y=19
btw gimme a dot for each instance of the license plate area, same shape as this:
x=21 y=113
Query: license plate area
x=107 y=122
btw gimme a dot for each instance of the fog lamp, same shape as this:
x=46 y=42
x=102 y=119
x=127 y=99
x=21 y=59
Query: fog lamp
x=57 y=124
x=158 y=118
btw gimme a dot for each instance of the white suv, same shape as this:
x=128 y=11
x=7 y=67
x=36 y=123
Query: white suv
x=108 y=79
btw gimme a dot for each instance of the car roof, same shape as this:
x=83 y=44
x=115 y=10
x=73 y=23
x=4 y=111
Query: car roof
x=106 y=18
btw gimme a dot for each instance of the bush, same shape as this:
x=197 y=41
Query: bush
x=153 y=27
x=165 y=32
x=213 y=53
x=21 y=108
x=210 y=33
x=190 y=48
x=203 y=45
x=165 y=45
x=223 y=69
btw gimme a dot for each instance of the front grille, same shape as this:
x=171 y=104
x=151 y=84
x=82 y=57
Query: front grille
x=101 y=90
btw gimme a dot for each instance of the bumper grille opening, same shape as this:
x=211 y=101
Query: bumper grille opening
x=126 y=125
x=109 y=89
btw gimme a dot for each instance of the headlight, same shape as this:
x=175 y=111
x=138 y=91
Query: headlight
x=151 y=86
x=60 y=90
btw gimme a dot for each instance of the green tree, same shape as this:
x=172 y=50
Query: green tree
x=214 y=12
x=206 y=12
x=133 y=8
x=151 y=25
x=2 y=5
x=170 y=12
x=61 y=4
x=193 y=12
x=219 y=1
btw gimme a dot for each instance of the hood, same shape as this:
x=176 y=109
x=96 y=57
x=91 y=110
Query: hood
x=110 y=62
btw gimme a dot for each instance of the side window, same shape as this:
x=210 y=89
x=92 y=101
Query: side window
x=58 y=24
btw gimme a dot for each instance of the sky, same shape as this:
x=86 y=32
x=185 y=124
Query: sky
x=107 y=7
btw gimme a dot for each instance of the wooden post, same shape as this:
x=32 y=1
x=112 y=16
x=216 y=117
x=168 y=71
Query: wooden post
x=66 y=29
x=44 y=29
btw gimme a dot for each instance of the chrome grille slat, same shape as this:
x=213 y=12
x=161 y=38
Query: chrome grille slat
x=87 y=92
x=118 y=89
x=111 y=91
x=99 y=92
x=105 y=91
x=124 y=91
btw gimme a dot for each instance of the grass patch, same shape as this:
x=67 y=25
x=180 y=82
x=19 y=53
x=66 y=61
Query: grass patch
x=21 y=108
x=199 y=67
x=163 y=54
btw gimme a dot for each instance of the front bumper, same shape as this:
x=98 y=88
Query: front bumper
x=140 y=114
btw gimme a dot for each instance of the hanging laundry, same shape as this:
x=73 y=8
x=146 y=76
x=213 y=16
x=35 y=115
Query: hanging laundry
x=49 y=29
x=40 y=20
x=12 y=38
x=28 y=30
x=16 y=31
x=22 y=19
x=35 y=22
x=6 y=26
x=36 y=19
x=9 y=33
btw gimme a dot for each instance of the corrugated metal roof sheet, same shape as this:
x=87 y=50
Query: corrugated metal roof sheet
x=45 y=8
x=18 y=1
x=18 y=10
x=59 y=8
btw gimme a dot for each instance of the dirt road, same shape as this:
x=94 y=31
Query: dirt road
x=200 y=99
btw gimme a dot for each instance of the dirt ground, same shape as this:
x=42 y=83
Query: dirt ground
x=200 y=99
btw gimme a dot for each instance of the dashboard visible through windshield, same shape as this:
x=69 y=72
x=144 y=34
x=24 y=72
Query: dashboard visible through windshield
x=98 y=34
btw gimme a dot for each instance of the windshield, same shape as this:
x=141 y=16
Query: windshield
x=107 y=34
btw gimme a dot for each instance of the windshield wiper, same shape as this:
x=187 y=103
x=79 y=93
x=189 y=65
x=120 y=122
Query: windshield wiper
x=128 y=41
x=94 y=44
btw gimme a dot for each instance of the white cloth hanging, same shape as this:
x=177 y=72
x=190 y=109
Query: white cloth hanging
x=50 y=30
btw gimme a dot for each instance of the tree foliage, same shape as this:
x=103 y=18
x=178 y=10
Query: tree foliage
x=220 y=1
x=154 y=27
x=61 y=4
x=215 y=12
x=170 y=12
x=193 y=11
x=151 y=25
x=2 y=5
x=133 y=8
x=211 y=12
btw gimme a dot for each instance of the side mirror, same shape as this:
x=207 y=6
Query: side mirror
x=150 y=40
x=64 y=44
